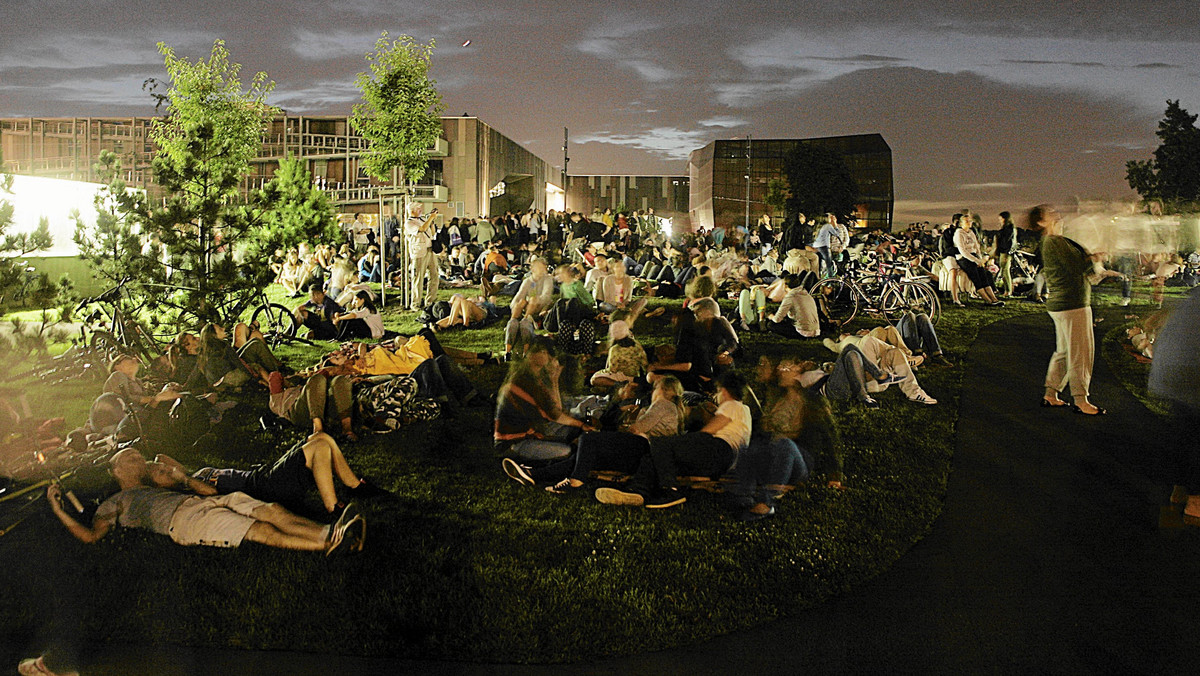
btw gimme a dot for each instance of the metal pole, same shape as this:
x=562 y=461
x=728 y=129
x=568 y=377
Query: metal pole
x=564 y=171
x=382 y=258
x=748 y=163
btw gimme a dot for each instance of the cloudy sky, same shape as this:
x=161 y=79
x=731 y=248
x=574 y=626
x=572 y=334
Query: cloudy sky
x=997 y=104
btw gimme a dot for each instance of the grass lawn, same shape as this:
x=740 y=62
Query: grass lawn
x=467 y=564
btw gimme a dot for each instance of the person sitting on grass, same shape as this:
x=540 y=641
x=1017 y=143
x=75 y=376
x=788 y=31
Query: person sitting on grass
x=123 y=382
x=710 y=452
x=313 y=463
x=795 y=429
x=797 y=314
x=530 y=421
x=718 y=340
x=615 y=450
x=626 y=357
x=685 y=360
x=534 y=297
x=361 y=321
x=212 y=520
x=317 y=314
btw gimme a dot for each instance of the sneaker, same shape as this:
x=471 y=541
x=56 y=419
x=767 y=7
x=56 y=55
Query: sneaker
x=1124 y=302
x=998 y=303
x=749 y=516
x=367 y=489
x=665 y=499
x=564 y=487
x=921 y=398
x=940 y=360
x=517 y=472
x=893 y=378
x=612 y=496
x=349 y=528
x=916 y=360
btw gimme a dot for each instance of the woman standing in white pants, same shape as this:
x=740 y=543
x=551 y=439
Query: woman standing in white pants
x=1067 y=266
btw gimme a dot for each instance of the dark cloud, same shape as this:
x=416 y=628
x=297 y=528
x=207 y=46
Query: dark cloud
x=1157 y=65
x=860 y=58
x=1041 y=62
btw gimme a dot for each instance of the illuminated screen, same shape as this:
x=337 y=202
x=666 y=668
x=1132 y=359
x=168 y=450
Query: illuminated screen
x=55 y=199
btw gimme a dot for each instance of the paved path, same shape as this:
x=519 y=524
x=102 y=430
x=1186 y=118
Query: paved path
x=1046 y=559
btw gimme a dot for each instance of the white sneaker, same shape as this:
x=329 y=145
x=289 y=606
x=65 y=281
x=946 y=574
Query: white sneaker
x=921 y=398
x=1124 y=302
x=516 y=472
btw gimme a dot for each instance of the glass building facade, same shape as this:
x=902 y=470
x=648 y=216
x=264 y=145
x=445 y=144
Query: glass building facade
x=728 y=179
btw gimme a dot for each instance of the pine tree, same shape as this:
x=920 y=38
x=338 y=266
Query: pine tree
x=301 y=212
x=15 y=245
x=182 y=246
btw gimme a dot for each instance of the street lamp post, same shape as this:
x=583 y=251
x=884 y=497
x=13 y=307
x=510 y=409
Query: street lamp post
x=748 y=165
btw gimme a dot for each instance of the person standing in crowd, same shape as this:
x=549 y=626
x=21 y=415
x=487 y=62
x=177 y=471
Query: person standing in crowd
x=422 y=260
x=1006 y=248
x=1067 y=268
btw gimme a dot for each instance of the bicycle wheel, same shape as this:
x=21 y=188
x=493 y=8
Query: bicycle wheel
x=924 y=299
x=837 y=303
x=105 y=344
x=908 y=296
x=275 y=320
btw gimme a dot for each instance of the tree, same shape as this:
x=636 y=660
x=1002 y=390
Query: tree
x=820 y=182
x=180 y=251
x=13 y=246
x=1173 y=176
x=401 y=111
x=778 y=193
x=300 y=211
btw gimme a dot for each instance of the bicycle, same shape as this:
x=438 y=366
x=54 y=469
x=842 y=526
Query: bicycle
x=840 y=299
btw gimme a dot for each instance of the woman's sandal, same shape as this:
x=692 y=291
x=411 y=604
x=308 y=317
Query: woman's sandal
x=1046 y=403
x=1080 y=411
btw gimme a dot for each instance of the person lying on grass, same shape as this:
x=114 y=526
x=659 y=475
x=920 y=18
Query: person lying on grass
x=709 y=452
x=399 y=357
x=213 y=520
x=314 y=463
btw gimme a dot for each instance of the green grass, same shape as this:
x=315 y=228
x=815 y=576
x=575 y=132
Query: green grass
x=467 y=564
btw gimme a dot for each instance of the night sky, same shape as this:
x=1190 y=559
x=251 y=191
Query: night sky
x=991 y=105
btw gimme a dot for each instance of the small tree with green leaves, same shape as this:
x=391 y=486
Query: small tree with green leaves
x=300 y=212
x=179 y=247
x=1173 y=175
x=820 y=182
x=401 y=110
x=777 y=195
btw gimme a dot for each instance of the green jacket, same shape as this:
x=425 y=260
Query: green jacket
x=1066 y=265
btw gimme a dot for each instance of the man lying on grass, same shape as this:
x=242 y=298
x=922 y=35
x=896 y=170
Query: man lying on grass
x=214 y=520
x=315 y=463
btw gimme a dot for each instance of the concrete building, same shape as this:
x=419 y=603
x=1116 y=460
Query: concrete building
x=727 y=176
x=473 y=169
x=667 y=195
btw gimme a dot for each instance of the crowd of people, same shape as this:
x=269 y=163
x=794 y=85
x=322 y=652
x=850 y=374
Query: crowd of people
x=654 y=413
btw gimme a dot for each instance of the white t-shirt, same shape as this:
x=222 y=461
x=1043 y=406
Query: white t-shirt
x=737 y=432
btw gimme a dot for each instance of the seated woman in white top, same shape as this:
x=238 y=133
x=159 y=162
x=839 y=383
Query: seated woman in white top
x=534 y=297
x=362 y=321
x=594 y=281
x=709 y=452
x=971 y=261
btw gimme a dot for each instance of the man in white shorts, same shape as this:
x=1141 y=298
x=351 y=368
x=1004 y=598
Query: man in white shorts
x=211 y=520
